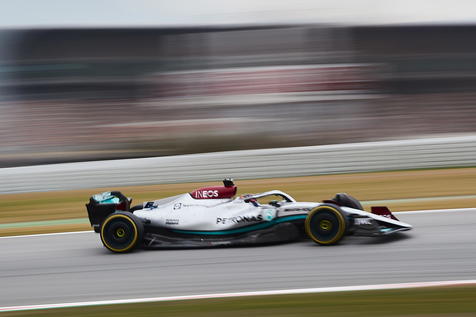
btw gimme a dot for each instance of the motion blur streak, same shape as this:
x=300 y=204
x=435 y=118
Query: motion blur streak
x=98 y=84
x=107 y=93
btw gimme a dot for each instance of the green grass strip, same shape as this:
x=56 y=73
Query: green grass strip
x=440 y=301
x=44 y=223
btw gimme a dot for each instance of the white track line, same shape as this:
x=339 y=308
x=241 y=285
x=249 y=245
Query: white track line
x=435 y=211
x=46 y=234
x=398 y=213
x=241 y=294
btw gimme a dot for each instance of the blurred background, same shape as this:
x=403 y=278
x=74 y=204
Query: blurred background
x=120 y=79
x=94 y=80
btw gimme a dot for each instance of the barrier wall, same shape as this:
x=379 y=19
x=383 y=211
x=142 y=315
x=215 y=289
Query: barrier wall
x=249 y=164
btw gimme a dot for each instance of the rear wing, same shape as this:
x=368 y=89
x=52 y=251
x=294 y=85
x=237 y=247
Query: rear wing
x=102 y=205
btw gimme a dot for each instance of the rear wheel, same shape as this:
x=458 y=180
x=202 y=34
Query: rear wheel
x=326 y=224
x=121 y=232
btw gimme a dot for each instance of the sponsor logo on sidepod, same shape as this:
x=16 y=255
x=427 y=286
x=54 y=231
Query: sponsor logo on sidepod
x=239 y=219
x=171 y=221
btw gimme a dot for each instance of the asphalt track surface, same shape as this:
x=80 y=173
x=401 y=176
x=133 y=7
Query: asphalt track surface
x=75 y=267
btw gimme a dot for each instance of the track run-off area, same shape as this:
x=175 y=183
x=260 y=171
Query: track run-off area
x=74 y=269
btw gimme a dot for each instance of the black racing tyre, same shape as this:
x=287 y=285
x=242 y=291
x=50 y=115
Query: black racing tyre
x=326 y=224
x=121 y=232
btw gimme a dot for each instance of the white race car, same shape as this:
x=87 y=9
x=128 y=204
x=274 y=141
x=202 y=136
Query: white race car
x=213 y=216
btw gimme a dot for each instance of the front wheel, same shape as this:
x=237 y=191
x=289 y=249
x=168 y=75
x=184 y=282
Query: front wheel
x=326 y=224
x=121 y=231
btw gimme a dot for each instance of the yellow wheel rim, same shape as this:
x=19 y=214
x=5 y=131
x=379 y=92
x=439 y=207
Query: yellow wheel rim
x=120 y=232
x=325 y=225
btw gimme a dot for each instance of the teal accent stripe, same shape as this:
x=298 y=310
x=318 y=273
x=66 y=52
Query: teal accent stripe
x=262 y=225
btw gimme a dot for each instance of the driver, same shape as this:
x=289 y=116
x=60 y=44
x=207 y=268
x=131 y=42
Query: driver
x=254 y=201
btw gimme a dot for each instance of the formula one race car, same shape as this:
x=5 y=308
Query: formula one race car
x=211 y=216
